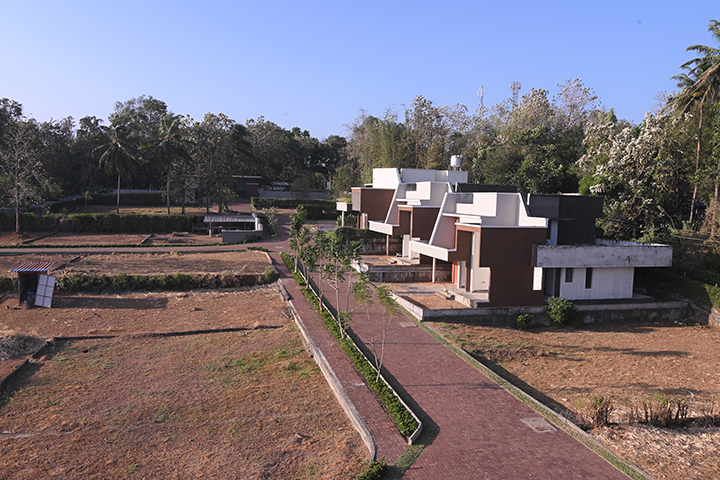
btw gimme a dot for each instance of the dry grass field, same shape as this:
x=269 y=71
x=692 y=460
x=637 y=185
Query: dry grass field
x=563 y=367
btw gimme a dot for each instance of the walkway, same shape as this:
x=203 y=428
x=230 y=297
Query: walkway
x=479 y=425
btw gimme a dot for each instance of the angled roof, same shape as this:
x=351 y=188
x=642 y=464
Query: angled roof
x=33 y=267
x=228 y=218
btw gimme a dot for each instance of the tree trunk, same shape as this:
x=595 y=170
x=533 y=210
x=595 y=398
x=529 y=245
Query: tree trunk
x=697 y=162
x=168 y=193
x=117 y=208
x=17 y=213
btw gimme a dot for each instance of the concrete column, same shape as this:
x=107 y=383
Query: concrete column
x=433 y=274
x=387 y=245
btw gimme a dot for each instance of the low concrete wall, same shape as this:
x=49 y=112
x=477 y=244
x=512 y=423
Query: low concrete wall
x=376 y=246
x=613 y=314
x=331 y=378
x=239 y=236
x=285 y=194
x=407 y=273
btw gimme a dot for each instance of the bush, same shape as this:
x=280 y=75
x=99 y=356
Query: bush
x=562 y=312
x=270 y=275
x=267 y=202
x=594 y=414
x=347 y=234
x=8 y=284
x=98 y=223
x=659 y=411
x=523 y=320
x=126 y=199
x=375 y=470
x=177 y=282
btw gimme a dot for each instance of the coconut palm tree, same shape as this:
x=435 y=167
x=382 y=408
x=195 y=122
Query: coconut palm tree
x=170 y=147
x=701 y=83
x=116 y=156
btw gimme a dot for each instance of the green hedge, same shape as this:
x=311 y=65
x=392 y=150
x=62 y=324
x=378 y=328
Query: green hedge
x=8 y=284
x=405 y=422
x=73 y=283
x=182 y=282
x=348 y=234
x=683 y=285
x=267 y=202
x=98 y=223
x=126 y=199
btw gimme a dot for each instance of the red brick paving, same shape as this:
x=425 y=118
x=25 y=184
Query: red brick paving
x=388 y=441
x=480 y=432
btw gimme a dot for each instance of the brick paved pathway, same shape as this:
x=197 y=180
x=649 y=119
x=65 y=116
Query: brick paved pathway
x=480 y=428
x=388 y=441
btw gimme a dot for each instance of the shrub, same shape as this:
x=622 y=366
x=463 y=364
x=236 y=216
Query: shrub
x=374 y=471
x=267 y=202
x=562 y=311
x=270 y=275
x=8 y=284
x=659 y=411
x=523 y=320
x=594 y=414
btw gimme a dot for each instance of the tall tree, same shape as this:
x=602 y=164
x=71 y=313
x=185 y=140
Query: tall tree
x=170 y=149
x=22 y=177
x=700 y=84
x=142 y=117
x=221 y=149
x=116 y=156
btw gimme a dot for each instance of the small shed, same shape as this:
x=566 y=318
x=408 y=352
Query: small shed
x=35 y=283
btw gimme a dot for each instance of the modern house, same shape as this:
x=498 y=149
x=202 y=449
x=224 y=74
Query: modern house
x=517 y=248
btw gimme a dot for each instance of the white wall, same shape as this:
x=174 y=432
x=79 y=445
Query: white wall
x=386 y=177
x=606 y=283
x=444 y=231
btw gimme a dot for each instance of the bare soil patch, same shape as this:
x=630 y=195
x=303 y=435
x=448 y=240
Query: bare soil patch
x=66 y=239
x=624 y=363
x=240 y=262
x=247 y=404
x=89 y=314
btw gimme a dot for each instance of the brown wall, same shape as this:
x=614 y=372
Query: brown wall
x=508 y=253
x=423 y=222
x=373 y=201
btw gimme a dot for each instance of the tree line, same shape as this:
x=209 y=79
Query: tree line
x=658 y=175
x=144 y=145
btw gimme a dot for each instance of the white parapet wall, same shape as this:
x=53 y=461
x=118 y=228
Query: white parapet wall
x=604 y=255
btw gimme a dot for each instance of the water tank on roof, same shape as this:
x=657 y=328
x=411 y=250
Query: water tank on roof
x=455 y=162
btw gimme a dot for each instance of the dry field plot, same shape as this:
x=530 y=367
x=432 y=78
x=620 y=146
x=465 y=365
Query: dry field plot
x=623 y=363
x=239 y=262
x=247 y=404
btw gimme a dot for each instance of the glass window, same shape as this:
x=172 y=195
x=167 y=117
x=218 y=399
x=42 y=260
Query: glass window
x=568 y=275
x=588 y=277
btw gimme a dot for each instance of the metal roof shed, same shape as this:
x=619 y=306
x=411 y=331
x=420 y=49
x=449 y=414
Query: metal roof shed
x=34 y=282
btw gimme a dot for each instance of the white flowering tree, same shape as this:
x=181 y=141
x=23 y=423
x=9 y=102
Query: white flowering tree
x=641 y=172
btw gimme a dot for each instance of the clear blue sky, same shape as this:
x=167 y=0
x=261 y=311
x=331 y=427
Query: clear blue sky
x=315 y=64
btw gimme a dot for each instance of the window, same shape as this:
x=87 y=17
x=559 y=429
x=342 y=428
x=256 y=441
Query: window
x=568 y=275
x=588 y=277
x=411 y=187
x=537 y=278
